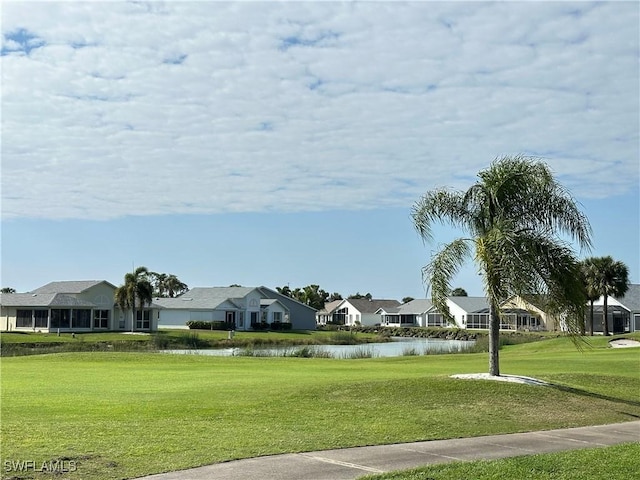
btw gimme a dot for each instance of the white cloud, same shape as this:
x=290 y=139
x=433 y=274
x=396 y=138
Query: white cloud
x=114 y=108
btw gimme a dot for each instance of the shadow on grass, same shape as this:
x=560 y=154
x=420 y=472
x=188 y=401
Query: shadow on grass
x=586 y=393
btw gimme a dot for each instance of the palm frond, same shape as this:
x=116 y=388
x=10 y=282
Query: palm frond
x=441 y=269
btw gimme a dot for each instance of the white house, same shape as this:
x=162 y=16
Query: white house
x=246 y=308
x=325 y=314
x=362 y=311
x=623 y=313
x=416 y=313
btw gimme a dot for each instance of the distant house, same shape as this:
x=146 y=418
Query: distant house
x=246 y=308
x=71 y=306
x=362 y=311
x=86 y=306
x=528 y=314
x=467 y=312
x=325 y=314
x=623 y=313
x=416 y=313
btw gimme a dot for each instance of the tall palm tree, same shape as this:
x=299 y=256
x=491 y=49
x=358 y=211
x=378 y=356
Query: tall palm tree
x=590 y=271
x=514 y=215
x=173 y=286
x=136 y=287
x=613 y=280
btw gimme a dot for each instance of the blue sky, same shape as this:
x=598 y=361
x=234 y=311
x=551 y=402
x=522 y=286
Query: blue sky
x=273 y=143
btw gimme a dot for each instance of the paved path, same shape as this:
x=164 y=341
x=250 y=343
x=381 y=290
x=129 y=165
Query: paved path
x=351 y=463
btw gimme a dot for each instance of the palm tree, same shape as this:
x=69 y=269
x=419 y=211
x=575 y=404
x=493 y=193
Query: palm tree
x=514 y=215
x=136 y=287
x=173 y=286
x=612 y=280
x=589 y=271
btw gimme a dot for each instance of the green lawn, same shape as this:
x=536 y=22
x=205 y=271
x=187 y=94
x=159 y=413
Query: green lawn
x=619 y=462
x=120 y=414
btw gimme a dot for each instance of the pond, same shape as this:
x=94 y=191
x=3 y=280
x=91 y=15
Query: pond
x=398 y=347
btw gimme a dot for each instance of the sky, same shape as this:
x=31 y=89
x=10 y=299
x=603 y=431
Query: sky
x=284 y=143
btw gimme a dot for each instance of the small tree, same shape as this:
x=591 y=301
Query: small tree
x=611 y=279
x=8 y=290
x=136 y=287
x=459 y=292
x=513 y=214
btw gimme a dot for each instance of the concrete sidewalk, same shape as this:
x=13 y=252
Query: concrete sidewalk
x=351 y=463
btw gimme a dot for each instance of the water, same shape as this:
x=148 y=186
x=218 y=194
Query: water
x=396 y=348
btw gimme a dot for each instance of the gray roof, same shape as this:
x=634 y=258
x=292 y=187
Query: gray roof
x=417 y=307
x=205 y=297
x=471 y=304
x=34 y=300
x=631 y=299
x=69 y=286
x=372 y=306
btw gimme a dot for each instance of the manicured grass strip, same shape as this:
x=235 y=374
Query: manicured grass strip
x=121 y=415
x=619 y=462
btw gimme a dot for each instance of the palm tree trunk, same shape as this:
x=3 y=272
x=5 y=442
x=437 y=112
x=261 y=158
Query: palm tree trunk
x=494 y=339
x=591 y=319
x=605 y=311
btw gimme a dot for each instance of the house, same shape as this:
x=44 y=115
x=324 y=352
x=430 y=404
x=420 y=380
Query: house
x=529 y=314
x=246 y=308
x=467 y=312
x=325 y=314
x=362 y=311
x=71 y=306
x=623 y=313
x=416 y=313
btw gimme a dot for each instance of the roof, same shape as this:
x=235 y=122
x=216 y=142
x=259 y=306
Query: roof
x=372 y=306
x=631 y=299
x=470 y=304
x=73 y=286
x=417 y=306
x=34 y=300
x=205 y=297
x=329 y=307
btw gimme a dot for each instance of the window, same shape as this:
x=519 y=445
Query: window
x=60 y=318
x=101 y=319
x=254 y=318
x=41 y=318
x=81 y=318
x=142 y=319
x=24 y=318
x=435 y=320
x=277 y=316
x=241 y=319
x=478 y=320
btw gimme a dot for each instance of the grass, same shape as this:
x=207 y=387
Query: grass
x=124 y=414
x=613 y=463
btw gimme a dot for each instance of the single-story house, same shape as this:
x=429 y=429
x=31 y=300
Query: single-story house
x=71 y=306
x=362 y=311
x=325 y=314
x=415 y=313
x=623 y=313
x=467 y=312
x=243 y=307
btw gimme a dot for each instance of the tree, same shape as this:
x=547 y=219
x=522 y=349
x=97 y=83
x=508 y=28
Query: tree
x=606 y=277
x=589 y=272
x=358 y=295
x=334 y=296
x=136 y=287
x=166 y=285
x=407 y=299
x=514 y=215
x=459 y=292
x=311 y=295
x=8 y=290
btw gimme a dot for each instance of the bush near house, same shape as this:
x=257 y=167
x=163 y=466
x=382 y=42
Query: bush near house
x=215 y=325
